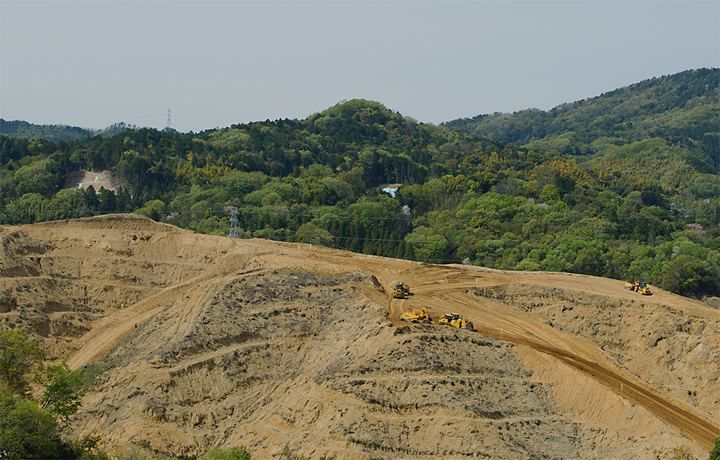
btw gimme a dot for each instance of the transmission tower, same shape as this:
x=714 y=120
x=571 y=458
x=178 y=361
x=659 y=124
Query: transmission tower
x=234 y=224
x=168 y=125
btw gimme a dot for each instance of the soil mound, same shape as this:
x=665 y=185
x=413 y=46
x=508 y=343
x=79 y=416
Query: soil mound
x=201 y=340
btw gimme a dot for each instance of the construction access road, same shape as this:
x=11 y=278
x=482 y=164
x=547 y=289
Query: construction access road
x=183 y=327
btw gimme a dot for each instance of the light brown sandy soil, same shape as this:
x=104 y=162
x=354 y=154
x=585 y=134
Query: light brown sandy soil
x=203 y=340
x=84 y=179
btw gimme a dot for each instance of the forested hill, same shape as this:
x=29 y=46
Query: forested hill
x=681 y=111
x=25 y=130
x=56 y=133
x=460 y=198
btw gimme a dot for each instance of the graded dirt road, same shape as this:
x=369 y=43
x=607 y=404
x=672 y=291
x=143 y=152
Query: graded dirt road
x=202 y=340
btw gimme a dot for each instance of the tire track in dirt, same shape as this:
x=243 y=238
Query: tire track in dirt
x=499 y=321
x=112 y=329
x=442 y=289
x=438 y=287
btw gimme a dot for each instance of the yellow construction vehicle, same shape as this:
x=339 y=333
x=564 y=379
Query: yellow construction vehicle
x=641 y=287
x=402 y=290
x=459 y=321
x=416 y=316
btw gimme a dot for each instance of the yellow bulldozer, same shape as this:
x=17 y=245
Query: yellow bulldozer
x=402 y=290
x=459 y=321
x=643 y=288
x=416 y=316
x=640 y=286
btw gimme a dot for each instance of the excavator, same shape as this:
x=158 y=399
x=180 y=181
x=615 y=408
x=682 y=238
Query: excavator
x=416 y=316
x=402 y=290
x=455 y=320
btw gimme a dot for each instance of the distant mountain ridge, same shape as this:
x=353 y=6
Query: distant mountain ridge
x=25 y=130
x=682 y=109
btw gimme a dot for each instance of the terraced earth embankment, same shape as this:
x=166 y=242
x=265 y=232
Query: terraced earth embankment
x=203 y=340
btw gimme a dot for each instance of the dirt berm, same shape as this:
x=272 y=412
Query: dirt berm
x=202 y=340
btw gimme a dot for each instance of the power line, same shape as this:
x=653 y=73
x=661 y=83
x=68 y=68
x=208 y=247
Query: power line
x=191 y=123
x=288 y=213
x=386 y=240
x=444 y=219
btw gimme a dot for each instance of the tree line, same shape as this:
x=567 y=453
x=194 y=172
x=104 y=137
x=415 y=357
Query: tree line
x=460 y=198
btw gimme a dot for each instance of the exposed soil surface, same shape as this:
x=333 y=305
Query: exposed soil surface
x=202 y=340
x=84 y=179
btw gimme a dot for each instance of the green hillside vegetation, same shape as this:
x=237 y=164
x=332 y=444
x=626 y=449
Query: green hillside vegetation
x=56 y=133
x=25 y=130
x=674 y=118
x=462 y=199
x=32 y=428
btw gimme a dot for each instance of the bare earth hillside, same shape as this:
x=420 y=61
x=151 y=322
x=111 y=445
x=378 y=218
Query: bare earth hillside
x=84 y=179
x=202 y=340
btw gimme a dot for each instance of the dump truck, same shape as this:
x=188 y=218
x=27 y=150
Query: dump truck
x=402 y=290
x=415 y=316
x=459 y=321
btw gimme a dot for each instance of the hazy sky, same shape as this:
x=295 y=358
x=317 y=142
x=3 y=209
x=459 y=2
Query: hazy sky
x=215 y=63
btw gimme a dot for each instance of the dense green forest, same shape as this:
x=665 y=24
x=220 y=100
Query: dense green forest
x=25 y=130
x=683 y=110
x=620 y=209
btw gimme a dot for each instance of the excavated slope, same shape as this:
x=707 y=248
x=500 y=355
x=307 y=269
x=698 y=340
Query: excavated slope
x=201 y=340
